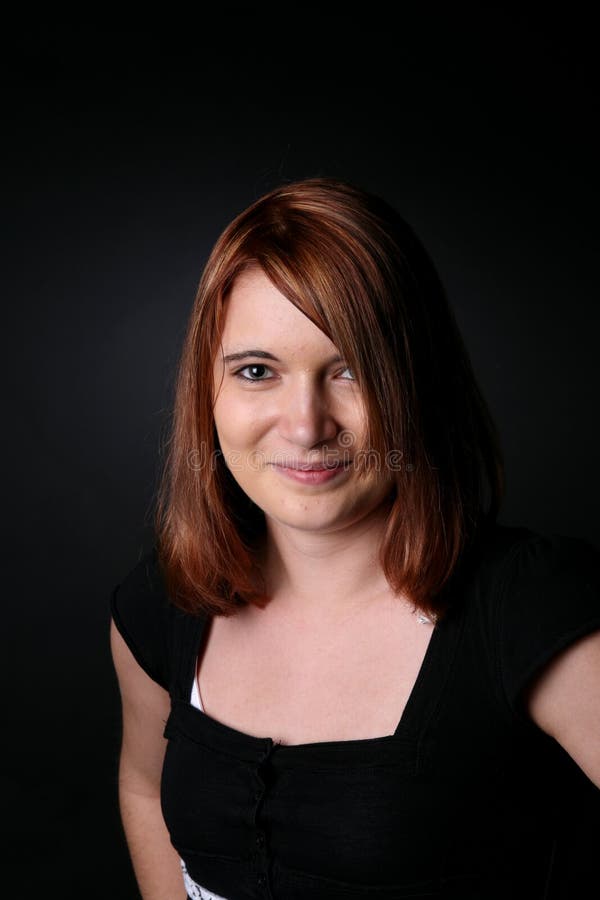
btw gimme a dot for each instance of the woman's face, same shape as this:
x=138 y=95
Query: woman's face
x=288 y=400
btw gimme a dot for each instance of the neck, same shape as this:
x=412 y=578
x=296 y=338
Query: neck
x=324 y=577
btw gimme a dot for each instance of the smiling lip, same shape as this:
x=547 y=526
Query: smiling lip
x=316 y=467
x=314 y=474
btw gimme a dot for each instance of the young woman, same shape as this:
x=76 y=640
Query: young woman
x=340 y=676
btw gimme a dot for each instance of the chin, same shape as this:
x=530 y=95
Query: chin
x=303 y=520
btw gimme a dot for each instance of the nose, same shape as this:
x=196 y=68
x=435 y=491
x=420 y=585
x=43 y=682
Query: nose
x=305 y=417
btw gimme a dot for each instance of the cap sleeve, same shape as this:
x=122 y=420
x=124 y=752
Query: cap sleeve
x=550 y=598
x=140 y=609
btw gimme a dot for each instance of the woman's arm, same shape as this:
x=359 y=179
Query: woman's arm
x=564 y=701
x=145 y=708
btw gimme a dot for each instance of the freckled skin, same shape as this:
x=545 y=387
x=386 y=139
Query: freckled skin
x=300 y=408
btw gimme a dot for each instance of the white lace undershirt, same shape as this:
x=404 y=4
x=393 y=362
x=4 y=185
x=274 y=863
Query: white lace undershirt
x=195 y=698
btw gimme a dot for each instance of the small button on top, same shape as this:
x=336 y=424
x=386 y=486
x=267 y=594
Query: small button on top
x=257 y=795
x=261 y=879
x=260 y=839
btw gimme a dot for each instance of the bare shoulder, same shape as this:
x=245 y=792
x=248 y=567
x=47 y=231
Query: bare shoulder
x=564 y=701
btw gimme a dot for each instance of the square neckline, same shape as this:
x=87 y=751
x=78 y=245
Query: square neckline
x=422 y=701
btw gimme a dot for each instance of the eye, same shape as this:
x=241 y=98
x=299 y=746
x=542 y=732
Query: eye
x=348 y=369
x=253 y=366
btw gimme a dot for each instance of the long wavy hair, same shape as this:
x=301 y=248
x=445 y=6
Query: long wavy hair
x=349 y=262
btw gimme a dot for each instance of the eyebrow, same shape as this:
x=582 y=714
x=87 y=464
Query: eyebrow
x=263 y=354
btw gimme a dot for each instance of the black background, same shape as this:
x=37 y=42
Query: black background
x=126 y=151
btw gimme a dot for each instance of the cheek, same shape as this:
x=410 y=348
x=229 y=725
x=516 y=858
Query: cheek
x=353 y=420
x=238 y=425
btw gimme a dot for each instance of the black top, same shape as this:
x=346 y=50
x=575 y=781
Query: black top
x=467 y=799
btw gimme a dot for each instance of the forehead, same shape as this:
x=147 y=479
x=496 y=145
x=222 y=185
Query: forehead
x=256 y=312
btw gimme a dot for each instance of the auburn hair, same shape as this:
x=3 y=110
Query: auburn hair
x=351 y=263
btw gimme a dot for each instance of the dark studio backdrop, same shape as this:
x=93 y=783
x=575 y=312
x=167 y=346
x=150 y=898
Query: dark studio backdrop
x=125 y=154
